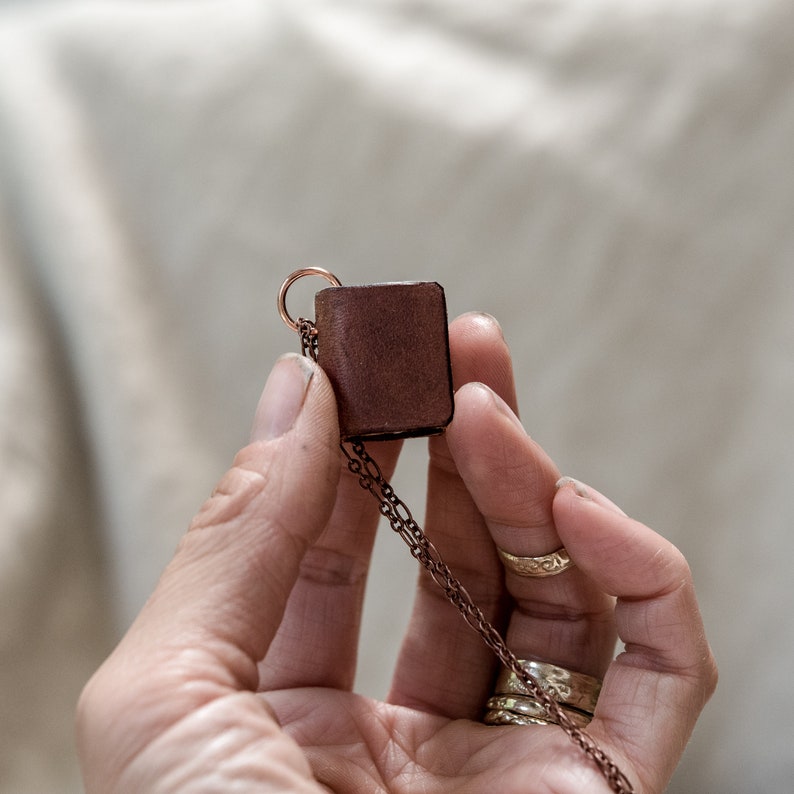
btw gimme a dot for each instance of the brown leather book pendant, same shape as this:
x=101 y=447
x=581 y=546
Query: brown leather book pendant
x=385 y=349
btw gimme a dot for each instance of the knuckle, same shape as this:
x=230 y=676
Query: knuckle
x=332 y=568
x=235 y=491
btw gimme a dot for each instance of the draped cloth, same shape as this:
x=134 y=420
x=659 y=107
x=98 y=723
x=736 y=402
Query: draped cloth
x=612 y=180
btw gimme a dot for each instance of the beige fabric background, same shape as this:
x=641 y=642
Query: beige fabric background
x=613 y=180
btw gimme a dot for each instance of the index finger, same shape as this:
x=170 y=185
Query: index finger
x=438 y=641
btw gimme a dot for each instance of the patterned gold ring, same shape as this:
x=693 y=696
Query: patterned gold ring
x=569 y=688
x=537 y=567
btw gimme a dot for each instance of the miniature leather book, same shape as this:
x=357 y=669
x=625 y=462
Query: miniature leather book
x=385 y=349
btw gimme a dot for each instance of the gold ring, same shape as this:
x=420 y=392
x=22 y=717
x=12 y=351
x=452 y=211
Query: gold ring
x=537 y=567
x=528 y=708
x=505 y=717
x=569 y=688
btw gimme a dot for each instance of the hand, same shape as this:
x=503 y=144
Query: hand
x=237 y=674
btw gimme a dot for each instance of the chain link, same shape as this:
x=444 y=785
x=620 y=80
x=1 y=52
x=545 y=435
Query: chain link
x=307 y=331
x=397 y=513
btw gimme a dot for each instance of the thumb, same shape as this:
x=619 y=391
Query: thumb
x=235 y=567
x=222 y=596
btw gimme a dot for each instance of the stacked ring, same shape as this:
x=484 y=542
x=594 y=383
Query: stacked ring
x=567 y=687
x=513 y=704
x=527 y=710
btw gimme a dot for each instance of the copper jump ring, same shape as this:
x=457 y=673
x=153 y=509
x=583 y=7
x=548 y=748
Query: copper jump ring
x=281 y=302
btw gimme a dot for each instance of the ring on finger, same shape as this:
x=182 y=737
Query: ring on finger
x=536 y=567
x=529 y=709
x=508 y=717
x=567 y=687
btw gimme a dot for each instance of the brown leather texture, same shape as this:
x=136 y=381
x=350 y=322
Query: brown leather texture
x=385 y=349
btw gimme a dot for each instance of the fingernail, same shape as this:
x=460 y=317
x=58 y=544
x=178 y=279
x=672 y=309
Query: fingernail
x=501 y=405
x=487 y=322
x=282 y=397
x=586 y=492
x=579 y=487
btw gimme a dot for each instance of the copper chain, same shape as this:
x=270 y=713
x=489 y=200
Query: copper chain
x=397 y=513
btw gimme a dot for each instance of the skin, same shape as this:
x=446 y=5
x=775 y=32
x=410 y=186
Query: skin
x=237 y=675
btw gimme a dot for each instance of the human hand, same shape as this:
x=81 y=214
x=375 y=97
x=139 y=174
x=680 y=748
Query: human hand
x=238 y=673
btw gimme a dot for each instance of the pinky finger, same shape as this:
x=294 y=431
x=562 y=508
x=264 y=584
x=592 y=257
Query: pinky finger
x=655 y=690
